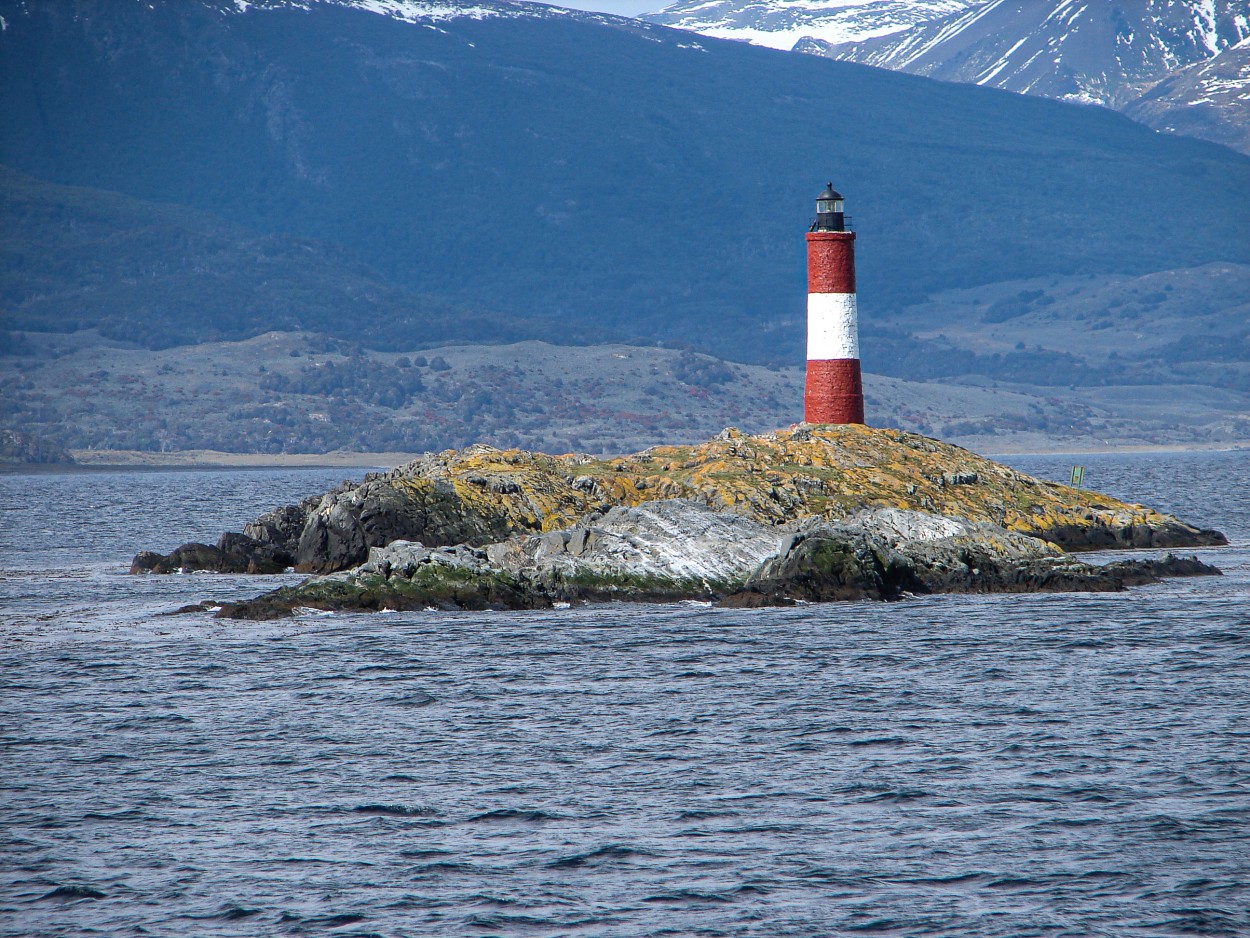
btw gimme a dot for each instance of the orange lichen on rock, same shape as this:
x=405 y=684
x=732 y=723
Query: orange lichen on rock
x=805 y=470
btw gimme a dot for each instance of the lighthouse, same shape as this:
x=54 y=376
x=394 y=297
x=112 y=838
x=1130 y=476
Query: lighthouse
x=834 y=392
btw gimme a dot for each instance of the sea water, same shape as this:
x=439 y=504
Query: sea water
x=953 y=765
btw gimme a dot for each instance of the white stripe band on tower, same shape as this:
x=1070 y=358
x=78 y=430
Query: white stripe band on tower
x=832 y=330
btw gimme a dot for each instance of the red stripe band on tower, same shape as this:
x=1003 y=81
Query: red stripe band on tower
x=834 y=392
x=830 y=269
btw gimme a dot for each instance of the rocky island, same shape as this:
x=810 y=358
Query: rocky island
x=809 y=513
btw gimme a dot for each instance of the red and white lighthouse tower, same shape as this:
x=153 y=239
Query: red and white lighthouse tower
x=835 y=391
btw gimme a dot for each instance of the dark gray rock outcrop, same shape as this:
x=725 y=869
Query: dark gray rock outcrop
x=888 y=553
x=281 y=528
x=234 y=553
x=341 y=527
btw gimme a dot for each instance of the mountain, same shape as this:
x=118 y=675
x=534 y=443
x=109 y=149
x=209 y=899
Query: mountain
x=1090 y=53
x=1175 y=66
x=1109 y=54
x=593 y=175
x=782 y=23
x=1209 y=100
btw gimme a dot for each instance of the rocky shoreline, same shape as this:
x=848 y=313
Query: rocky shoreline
x=811 y=513
x=678 y=550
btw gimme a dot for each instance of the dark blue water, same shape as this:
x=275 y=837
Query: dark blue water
x=1008 y=766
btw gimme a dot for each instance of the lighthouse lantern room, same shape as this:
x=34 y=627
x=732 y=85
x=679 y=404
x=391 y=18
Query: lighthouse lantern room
x=834 y=391
x=829 y=212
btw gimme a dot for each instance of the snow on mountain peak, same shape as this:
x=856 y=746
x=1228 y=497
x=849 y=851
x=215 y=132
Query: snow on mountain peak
x=420 y=11
x=1209 y=99
x=782 y=24
x=1073 y=50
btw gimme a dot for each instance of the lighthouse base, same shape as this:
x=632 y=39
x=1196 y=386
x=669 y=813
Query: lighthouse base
x=834 y=392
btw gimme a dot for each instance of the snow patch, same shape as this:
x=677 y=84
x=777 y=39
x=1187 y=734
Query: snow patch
x=781 y=24
x=421 y=12
x=1084 y=97
x=414 y=12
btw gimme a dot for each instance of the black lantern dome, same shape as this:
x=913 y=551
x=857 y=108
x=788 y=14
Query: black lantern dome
x=830 y=214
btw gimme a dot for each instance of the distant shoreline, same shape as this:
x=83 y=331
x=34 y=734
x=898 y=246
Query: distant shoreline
x=139 y=460
x=189 y=460
x=1112 y=449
